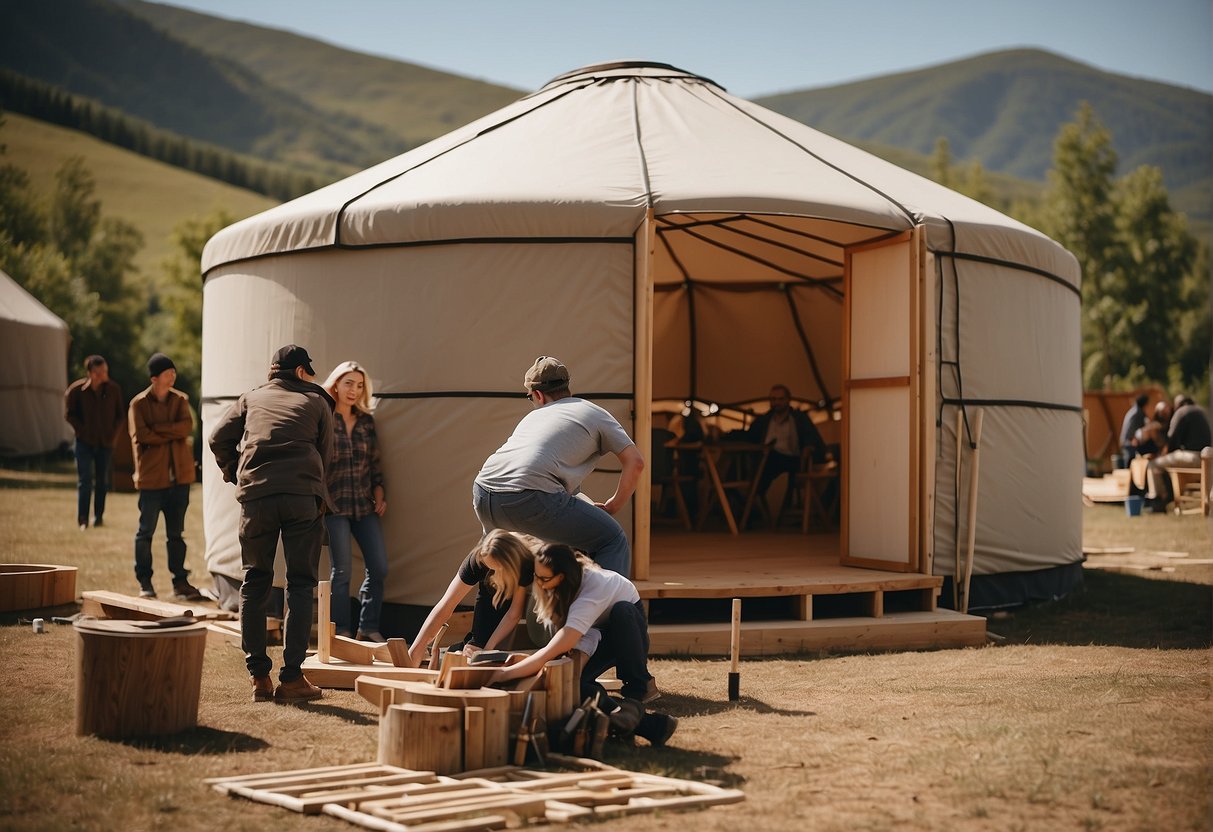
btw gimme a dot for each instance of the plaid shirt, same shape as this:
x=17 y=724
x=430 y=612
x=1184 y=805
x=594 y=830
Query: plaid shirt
x=355 y=471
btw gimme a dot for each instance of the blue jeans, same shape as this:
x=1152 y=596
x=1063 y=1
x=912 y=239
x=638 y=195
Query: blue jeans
x=369 y=534
x=296 y=518
x=558 y=518
x=92 y=472
x=172 y=503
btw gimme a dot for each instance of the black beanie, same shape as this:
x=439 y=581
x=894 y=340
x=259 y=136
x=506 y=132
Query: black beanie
x=158 y=363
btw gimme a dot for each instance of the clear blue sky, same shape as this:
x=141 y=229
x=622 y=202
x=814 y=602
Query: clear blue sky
x=751 y=47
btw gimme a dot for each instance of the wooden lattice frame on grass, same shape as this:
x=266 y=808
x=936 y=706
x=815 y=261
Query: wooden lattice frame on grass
x=396 y=799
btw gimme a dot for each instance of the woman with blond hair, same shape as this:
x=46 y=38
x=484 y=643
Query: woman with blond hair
x=595 y=614
x=356 y=485
x=501 y=565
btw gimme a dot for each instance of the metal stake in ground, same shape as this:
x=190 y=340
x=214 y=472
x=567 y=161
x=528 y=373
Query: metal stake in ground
x=735 y=651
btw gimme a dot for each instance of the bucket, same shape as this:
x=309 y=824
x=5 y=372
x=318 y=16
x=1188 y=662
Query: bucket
x=1133 y=504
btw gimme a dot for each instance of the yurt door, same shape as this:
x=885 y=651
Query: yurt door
x=881 y=405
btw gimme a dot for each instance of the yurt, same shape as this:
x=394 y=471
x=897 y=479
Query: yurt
x=33 y=377
x=673 y=243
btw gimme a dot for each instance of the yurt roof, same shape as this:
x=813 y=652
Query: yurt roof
x=587 y=156
x=19 y=306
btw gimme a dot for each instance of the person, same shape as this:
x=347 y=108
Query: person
x=502 y=565
x=1133 y=422
x=93 y=407
x=160 y=426
x=355 y=482
x=1188 y=434
x=276 y=444
x=789 y=432
x=532 y=483
x=1151 y=437
x=596 y=614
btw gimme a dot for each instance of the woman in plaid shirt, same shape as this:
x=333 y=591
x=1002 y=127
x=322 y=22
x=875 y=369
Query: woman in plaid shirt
x=356 y=485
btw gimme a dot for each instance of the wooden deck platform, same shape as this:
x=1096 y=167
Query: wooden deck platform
x=857 y=609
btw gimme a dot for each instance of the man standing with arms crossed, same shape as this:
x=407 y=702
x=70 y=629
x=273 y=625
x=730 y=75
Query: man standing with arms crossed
x=276 y=445
x=532 y=483
x=160 y=425
x=93 y=407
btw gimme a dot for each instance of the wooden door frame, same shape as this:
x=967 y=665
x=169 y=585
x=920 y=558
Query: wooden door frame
x=914 y=550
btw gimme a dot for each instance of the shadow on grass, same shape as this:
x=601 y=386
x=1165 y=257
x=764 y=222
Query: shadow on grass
x=681 y=706
x=1116 y=610
x=200 y=740
x=672 y=761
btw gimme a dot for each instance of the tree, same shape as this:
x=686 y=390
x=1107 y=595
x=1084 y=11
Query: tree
x=179 y=323
x=941 y=162
x=1079 y=214
x=1145 y=313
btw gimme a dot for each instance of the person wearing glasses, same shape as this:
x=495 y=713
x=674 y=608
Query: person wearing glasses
x=532 y=483
x=596 y=614
x=502 y=566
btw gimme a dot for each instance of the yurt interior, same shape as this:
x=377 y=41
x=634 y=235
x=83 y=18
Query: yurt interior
x=832 y=312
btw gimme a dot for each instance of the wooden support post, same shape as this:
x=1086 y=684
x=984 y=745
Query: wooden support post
x=324 y=633
x=735 y=653
x=398 y=650
x=973 y=469
x=804 y=607
x=956 y=510
x=876 y=604
x=473 y=738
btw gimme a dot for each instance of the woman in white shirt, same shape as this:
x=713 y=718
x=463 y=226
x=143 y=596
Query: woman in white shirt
x=597 y=613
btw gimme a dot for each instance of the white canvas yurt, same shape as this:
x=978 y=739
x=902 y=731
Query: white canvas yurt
x=670 y=242
x=34 y=342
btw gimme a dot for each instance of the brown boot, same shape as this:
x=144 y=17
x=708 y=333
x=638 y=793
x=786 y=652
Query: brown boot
x=263 y=688
x=297 y=690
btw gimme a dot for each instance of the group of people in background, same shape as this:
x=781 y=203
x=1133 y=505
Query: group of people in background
x=1171 y=435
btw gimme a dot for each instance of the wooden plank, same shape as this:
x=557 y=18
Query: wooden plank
x=350 y=650
x=342 y=675
x=324 y=624
x=473 y=738
x=101 y=603
x=895 y=631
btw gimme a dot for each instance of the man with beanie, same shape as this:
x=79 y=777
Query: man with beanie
x=93 y=407
x=276 y=444
x=160 y=426
x=532 y=483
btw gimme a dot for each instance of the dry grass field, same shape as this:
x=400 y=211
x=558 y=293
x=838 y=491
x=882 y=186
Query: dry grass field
x=1092 y=713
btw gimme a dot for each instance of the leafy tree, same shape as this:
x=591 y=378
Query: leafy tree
x=76 y=263
x=1145 y=290
x=178 y=326
x=1079 y=214
x=941 y=162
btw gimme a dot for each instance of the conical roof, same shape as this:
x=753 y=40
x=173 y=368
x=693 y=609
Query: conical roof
x=589 y=153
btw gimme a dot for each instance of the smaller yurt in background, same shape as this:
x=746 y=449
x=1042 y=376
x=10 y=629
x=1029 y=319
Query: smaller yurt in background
x=33 y=376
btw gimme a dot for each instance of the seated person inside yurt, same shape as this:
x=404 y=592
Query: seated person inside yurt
x=501 y=565
x=596 y=614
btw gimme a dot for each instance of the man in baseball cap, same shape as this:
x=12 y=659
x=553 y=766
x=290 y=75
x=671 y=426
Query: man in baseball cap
x=276 y=445
x=532 y=483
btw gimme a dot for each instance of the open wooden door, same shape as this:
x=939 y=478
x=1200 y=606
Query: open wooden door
x=882 y=405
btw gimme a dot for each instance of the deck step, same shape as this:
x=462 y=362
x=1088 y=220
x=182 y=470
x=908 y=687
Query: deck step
x=893 y=631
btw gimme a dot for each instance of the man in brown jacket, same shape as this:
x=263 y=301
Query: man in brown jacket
x=276 y=445
x=160 y=425
x=93 y=407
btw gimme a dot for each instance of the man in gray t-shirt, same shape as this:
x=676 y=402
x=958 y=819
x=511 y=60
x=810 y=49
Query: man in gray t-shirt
x=532 y=483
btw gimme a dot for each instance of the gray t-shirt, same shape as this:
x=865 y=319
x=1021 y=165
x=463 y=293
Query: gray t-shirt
x=554 y=448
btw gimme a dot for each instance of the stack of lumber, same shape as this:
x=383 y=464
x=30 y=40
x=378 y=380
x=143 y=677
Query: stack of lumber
x=383 y=797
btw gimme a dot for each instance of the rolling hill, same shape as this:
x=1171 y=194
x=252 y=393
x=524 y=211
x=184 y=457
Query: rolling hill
x=298 y=101
x=152 y=196
x=1004 y=109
